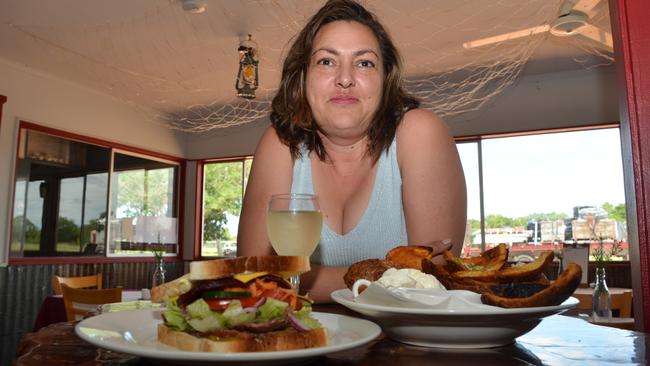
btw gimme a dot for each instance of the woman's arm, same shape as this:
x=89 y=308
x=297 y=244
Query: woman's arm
x=321 y=281
x=271 y=173
x=433 y=184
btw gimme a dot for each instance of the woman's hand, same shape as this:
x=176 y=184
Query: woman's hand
x=438 y=248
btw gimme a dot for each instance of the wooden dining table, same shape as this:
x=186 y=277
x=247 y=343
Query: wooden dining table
x=557 y=340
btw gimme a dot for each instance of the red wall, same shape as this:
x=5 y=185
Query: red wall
x=631 y=30
x=3 y=99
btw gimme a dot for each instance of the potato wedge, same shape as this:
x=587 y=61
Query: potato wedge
x=554 y=294
x=410 y=256
x=492 y=259
x=521 y=273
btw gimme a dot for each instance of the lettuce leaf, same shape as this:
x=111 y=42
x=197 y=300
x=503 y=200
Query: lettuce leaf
x=235 y=314
x=174 y=317
x=272 y=309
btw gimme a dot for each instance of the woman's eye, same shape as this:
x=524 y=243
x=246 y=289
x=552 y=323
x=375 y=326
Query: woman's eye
x=366 y=63
x=324 y=62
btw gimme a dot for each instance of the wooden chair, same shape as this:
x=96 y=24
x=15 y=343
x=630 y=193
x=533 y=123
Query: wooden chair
x=78 y=302
x=77 y=282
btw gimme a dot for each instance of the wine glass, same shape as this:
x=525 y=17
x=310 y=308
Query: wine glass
x=294 y=224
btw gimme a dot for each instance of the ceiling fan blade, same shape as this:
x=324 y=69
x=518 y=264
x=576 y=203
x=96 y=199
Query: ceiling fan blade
x=507 y=36
x=566 y=7
x=598 y=35
x=585 y=6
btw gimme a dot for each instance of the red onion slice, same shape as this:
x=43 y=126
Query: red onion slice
x=257 y=305
x=297 y=324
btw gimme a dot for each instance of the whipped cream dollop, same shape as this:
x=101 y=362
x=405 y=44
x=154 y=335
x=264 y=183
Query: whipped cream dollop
x=408 y=278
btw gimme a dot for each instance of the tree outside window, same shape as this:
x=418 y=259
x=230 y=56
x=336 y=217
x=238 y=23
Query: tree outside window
x=223 y=190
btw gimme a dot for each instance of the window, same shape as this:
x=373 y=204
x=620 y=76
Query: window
x=224 y=183
x=143 y=208
x=543 y=191
x=61 y=199
x=469 y=156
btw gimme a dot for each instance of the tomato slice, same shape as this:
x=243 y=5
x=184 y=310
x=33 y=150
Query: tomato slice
x=220 y=304
x=248 y=301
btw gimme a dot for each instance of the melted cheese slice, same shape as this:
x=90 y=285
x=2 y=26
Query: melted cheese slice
x=245 y=277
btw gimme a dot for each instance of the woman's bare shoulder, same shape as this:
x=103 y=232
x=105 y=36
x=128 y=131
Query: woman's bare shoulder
x=420 y=120
x=271 y=150
x=272 y=163
x=270 y=141
x=422 y=129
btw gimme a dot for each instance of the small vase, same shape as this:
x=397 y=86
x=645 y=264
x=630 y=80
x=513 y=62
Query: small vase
x=601 y=303
x=158 y=272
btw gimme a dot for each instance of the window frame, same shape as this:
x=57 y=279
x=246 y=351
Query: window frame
x=23 y=126
x=176 y=205
x=199 y=189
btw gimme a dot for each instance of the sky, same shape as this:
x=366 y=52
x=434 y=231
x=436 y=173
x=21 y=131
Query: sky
x=545 y=173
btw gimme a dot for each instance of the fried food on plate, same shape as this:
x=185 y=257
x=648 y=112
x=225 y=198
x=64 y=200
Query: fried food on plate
x=508 y=287
x=406 y=256
x=409 y=256
x=554 y=294
x=446 y=279
x=368 y=269
x=526 y=272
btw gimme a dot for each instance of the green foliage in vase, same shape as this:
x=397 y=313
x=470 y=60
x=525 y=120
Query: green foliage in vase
x=158 y=250
x=602 y=255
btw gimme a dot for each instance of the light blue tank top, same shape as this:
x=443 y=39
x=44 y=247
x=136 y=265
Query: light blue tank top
x=382 y=225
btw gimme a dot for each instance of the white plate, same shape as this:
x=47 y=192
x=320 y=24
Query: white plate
x=128 y=305
x=134 y=332
x=491 y=327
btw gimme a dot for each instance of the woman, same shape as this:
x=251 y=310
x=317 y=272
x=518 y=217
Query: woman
x=386 y=172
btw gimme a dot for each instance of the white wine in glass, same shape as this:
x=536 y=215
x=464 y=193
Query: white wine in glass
x=294 y=224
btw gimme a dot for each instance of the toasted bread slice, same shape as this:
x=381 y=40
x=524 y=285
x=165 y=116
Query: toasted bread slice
x=409 y=256
x=554 y=294
x=263 y=342
x=169 y=289
x=521 y=273
x=221 y=268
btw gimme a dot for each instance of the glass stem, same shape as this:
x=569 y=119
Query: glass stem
x=295 y=282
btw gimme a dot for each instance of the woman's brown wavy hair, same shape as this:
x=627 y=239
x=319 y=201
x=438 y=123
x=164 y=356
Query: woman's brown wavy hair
x=291 y=114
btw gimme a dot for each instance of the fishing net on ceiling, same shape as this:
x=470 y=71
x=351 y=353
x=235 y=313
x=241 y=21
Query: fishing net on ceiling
x=180 y=68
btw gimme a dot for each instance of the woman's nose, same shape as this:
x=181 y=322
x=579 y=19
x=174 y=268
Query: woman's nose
x=345 y=79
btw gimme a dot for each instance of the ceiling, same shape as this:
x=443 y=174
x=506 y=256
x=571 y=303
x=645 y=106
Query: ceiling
x=155 y=55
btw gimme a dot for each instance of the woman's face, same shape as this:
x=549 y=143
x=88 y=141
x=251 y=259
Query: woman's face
x=344 y=78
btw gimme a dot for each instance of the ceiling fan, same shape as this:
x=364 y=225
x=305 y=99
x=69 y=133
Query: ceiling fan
x=573 y=21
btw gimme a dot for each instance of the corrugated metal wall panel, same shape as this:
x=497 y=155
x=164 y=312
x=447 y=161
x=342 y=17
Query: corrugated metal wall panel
x=23 y=289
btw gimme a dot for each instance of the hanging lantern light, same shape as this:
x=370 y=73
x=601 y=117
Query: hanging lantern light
x=247 y=76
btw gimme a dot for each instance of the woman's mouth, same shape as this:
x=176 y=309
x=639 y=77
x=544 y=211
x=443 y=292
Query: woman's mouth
x=344 y=99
